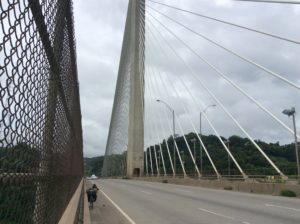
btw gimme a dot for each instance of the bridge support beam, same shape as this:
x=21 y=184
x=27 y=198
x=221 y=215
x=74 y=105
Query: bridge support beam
x=135 y=31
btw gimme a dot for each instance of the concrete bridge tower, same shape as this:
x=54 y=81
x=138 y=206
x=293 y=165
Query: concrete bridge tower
x=134 y=39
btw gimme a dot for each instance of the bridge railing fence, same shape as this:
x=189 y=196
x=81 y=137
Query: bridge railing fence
x=41 y=161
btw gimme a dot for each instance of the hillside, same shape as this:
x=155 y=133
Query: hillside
x=93 y=166
x=249 y=158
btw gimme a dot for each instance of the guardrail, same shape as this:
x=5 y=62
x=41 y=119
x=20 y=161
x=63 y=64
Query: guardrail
x=41 y=161
x=77 y=210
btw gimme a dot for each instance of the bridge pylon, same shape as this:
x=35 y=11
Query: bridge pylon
x=135 y=25
x=126 y=132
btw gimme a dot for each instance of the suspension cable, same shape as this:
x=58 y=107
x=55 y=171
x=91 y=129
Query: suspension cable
x=228 y=23
x=228 y=50
x=185 y=109
x=217 y=134
x=150 y=86
x=271 y=1
x=220 y=73
x=226 y=111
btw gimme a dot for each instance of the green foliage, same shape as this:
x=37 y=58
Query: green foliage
x=93 y=166
x=246 y=154
x=287 y=193
x=229 y=188
x=17 y=190
x=17 y=203
x=19 y=159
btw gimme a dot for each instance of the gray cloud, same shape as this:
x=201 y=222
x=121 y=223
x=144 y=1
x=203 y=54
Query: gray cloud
x=99 y=32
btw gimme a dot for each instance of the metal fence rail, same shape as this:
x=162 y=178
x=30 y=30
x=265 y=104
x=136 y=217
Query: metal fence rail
x=41 y=160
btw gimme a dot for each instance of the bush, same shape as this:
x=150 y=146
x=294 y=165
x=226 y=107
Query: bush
x=125 y=178
x=229 y=188
x=165 y=181
x=287 y=193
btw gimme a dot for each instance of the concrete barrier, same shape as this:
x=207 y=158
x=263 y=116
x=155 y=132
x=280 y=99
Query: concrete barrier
x=249 y=185
x=69 y=215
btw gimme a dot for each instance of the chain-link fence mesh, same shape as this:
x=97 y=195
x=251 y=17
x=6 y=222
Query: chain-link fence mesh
x=41 y=161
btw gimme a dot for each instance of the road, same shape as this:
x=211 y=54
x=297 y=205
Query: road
x=160 y=203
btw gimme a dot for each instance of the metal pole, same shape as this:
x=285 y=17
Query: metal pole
x=296 y=147
x=173 y=113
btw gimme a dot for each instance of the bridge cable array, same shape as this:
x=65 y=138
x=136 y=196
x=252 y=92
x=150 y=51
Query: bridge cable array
x=232 y=52
x=175 y=85
x=156 y=83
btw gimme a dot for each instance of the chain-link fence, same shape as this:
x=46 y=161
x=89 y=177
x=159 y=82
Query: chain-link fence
x=41 y=161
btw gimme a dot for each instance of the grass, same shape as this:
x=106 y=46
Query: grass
x=287 y=193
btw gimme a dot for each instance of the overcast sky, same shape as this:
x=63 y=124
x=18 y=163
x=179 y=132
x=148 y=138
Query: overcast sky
x=99 y=27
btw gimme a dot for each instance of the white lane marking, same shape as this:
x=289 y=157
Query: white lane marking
x=178 y=189
x=217 y=214
x=146 y=192
x=283 y=207
x=120 y=210
x=224 y=216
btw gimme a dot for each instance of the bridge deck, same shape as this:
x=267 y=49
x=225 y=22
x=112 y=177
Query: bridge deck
x=149 y=202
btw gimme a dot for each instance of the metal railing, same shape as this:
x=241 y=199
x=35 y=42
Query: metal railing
x=41 y=160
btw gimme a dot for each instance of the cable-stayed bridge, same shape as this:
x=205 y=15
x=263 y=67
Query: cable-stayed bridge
x=178 y=79
x=194 y=105
x=198 y=95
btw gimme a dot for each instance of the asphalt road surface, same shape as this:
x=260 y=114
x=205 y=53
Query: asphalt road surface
x=158 y=203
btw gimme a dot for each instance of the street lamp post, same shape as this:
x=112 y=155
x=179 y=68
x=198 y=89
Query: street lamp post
x=291 y=112
x=203 y=111
x=194 y=142
x=173 y=115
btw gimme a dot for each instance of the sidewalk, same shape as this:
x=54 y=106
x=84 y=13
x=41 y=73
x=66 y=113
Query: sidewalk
x=104 y=211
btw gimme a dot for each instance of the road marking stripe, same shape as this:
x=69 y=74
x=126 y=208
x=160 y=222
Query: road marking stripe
x=120 y=210
x=221 y=215
x=278 y=206
x=218 y=214
x=146 y=192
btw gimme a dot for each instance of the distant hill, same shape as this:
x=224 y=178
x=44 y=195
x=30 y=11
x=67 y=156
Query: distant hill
x=93 y=165
x=249 y=158
x=246 y=154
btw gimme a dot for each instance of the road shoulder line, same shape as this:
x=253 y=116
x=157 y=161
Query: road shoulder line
x=119 y=209
x=282 y=207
